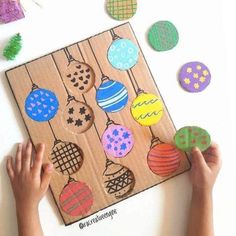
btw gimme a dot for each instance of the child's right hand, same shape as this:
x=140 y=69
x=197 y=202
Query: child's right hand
x=205 y=168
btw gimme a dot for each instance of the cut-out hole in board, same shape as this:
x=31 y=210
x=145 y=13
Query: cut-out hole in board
x=66 y=157
x=76 y=198
x=41 y=105
x=77 y=116
x=79 y=77
x=119 y=181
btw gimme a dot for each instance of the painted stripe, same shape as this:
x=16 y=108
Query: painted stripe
x=144 y=116
x=111 y=102
x=102 y=87
x=145 y=103
x=164 y=157
x=106 y=99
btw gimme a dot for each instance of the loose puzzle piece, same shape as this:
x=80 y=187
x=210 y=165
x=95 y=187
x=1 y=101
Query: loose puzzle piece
x=163 y=36
x=194 y=77
x=123 y=54
x=147 y=109
x=117 y=140
x=121 y=9
x=10 y=11
x=192 y=136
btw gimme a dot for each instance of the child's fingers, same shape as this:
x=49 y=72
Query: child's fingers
x=10 y=169
x=46 y=177
x=26 y=159
x=37 y=165
x=198 y=160
x=18 y=158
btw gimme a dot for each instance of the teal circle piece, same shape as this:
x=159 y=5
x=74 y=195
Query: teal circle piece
x=163 y=36
x=123 y=54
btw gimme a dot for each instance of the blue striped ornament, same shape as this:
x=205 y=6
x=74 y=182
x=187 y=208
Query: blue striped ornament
x=41 y=105
x=112 y=96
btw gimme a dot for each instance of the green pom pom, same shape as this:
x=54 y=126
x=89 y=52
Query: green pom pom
x=13 y=47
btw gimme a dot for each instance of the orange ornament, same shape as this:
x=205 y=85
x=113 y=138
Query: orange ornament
x=163 y=158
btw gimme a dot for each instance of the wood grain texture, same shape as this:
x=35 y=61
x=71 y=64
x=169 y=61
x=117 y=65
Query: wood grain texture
x=47 y=72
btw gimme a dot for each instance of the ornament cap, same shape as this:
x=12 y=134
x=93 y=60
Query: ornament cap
x=71 y=180
x=105 y=78
x=156 y=141
x=140 y=91
x=34 y=87
x=70 y=98
x=110 y=122
x=109 y=162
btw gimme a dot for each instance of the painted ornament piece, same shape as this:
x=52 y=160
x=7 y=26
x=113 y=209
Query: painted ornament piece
x=121 y=9
x=41 y=105
x=10 y=10
x=194 y=77
x=112 y=96
x=117 y=140
x=76 y=199
x=163 y=36
x=123 y=54
x=147 y=109
x=79 y=77
x=191 y=136
x=77 y=117
x=164 y=159
x=119 y=181
x=67 y=157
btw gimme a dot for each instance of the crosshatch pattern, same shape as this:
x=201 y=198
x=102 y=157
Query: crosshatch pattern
x=89 y=157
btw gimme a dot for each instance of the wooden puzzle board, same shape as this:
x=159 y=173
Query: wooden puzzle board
x=47 y=72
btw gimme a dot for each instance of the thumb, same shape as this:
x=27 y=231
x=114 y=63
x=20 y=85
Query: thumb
x=198 y=160
x=46 y=177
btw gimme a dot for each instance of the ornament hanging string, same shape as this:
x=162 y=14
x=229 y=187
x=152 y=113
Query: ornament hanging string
x=34 y=86
x=70 y=97
x=137 y=89
x=104 y=77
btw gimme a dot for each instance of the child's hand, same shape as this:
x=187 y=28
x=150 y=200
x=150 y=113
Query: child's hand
x=205 y=168
x=28 y=185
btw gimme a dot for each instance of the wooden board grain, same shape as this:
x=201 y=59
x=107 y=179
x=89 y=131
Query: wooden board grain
x=48 y=71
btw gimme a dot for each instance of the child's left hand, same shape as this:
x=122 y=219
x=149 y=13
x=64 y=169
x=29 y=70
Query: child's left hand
x=28 y=184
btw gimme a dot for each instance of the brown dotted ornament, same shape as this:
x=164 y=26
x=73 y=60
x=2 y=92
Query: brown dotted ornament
x=119 y=181
x=79 y=77
x=77 y=116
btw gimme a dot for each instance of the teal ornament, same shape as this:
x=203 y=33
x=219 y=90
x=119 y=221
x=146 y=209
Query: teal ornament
x=112 y=96
x=41 y=105
x=123 y=54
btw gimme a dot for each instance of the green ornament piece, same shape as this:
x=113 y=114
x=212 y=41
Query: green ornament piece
x=192 y=136
x=13 y=47
x=121 y=9
x=163 y=36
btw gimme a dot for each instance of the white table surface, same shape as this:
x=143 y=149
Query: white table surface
x=162 y=210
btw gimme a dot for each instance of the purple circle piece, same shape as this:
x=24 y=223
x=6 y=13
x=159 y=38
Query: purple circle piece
x=194 y=77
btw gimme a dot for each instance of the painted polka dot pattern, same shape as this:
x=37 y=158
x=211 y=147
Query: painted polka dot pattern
x=123 y=54
x=191 y=136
